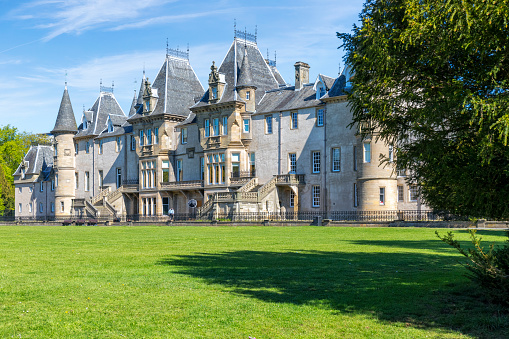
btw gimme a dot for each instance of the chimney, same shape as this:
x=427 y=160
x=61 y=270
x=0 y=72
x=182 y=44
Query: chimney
x=301 y=74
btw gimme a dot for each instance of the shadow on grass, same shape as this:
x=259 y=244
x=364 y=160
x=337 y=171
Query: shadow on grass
x=421 y=290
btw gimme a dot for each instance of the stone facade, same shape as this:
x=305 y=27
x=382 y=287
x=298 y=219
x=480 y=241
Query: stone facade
x=249 y=142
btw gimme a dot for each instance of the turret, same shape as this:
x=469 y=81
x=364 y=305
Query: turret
x=245 y=84
x=64 y=163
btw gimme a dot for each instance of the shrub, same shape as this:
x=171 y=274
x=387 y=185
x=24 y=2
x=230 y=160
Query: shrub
x=489 y=269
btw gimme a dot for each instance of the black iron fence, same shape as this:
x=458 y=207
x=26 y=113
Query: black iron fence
x=354 y=216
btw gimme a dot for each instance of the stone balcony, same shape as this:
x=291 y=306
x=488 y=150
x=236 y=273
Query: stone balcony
x=182 y=185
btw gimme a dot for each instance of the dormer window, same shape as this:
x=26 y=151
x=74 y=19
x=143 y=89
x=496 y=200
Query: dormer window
x=320 y=90
x=248 y=95
x=147 y=105
x=214 y=93
x=110 y=126
x=85 y=124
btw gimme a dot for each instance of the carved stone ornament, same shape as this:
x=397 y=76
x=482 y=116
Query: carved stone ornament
x=67 y=152
x=214 y=74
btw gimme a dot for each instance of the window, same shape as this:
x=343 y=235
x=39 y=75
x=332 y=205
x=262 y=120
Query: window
x=214 y=93
x=316 y=196
x=248 y=95
x=30 y=208
x=23 y=172
x=87 y=181
x=62 y=206
x=246 y=125
x=180 y=172
x=252 y=167
x=42 y=187
x=166 y=205
x=367 y=152
x=216 y=168
x=316 y=162
x=336 y=159
x=52 y=207
x=87 y=147
x=207 y=128
x=19 y=190
x=355 y=158
x=215 y=126
x=76 y=148
x=110 y=126
x=133 y=143
x=414 y=192
x=149 y=137
x=148 y=174
x=20 y=208
x=401 y=195
x=76 y=181
x=294 y=122
x=382 y=195
x=52 y=184
x=292 y=159
x=119 y=177
x=101 y=179
x=355 y=196
x=41 y=208
x=147 y=105
x=319 y=117
x=30 y=189
x=85 y=124
x=142 y=141
x=202 y=168
x=391 y=153
x=225 y=125
x=235 y=165
x=156 y=135
x=184 y=135
x=56 y=180
x=166 y=170
x=101 y=146
x=119 y=144
x=268 y=124
x=292 y=198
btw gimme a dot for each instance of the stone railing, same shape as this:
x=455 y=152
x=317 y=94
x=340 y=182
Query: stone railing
x=249 y=185
x=206 y=206
x=114 y=195
x=237 y=196
x=239 y=181
x=267 y=188
x=90 y=208
x=291 y=179
x=100 y=195
x=182 y=184
x=130 y=188
x=110 y=207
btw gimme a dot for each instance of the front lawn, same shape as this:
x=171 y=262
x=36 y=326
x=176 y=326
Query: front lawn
x=236 y=282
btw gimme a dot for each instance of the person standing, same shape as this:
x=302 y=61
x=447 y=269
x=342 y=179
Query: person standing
x=171 y=214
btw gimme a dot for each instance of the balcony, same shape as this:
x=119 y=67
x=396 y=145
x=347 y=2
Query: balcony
x=290 y=179
x=182 y=185
x=242 y=177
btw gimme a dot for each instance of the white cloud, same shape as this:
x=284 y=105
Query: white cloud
x=77 y=16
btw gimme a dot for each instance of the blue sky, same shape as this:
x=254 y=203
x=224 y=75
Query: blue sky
x=114 y=40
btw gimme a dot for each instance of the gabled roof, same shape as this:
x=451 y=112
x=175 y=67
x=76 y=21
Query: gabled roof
x=338 y=88
x=262 y=76
x=39 y=159
x=65 y=123
x=105 y=105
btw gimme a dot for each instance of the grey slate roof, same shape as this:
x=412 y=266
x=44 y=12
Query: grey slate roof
x=40 y=161
x=262 y=75
x=287 y=98
x=177 y=85
x=191 y=119
x=338 y=88
x=65 y=119
x=132 y=110
x=105 y=105
x=328 y=81
x=278 y=76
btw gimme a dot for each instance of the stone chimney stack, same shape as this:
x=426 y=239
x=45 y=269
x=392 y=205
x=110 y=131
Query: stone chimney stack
x=301 y=74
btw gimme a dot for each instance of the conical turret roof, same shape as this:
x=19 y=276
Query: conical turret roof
x=245 y=77
x=66 y=123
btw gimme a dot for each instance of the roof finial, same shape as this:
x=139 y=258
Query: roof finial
x=267 y=54
x=245 y=38
x=188 y=51
x=112 y=85
x=275 y=58
x=101 y=85
x=83 y=108
x=143 y=71
x=339 y=68
x=66 y=79
x=256 y=32
x=235 y=28
x=166 y=46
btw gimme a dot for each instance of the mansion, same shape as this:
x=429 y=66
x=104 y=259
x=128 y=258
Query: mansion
x=248 y=142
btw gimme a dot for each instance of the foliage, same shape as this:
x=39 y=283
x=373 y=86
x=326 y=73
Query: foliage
x=236 y=282
x=13 y=146
x=489 y=268
x=432 y=78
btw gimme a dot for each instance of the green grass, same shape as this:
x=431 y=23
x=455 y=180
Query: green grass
x=236 y=282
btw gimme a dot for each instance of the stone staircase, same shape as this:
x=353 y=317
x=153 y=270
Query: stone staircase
x=100 y=205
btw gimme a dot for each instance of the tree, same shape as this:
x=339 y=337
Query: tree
x=13 y=146
x=432 y=78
